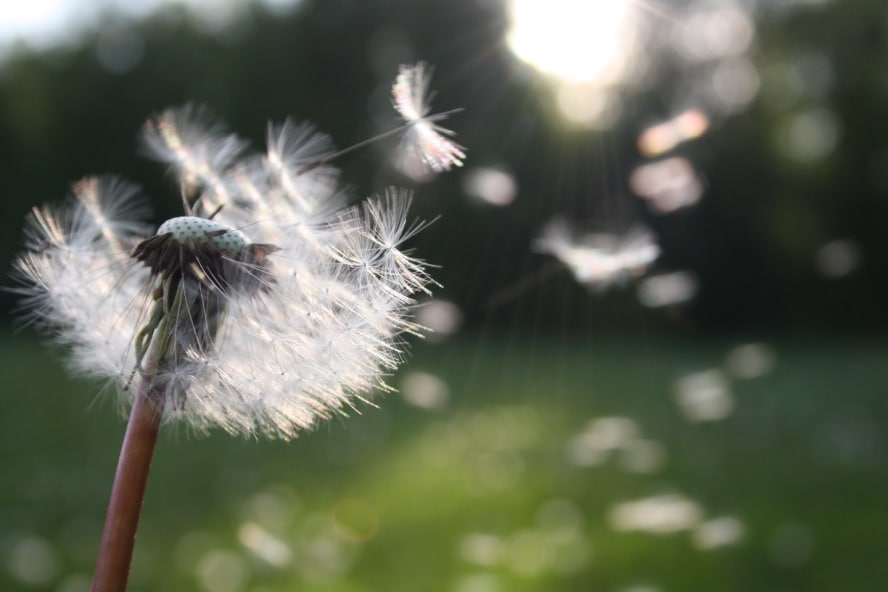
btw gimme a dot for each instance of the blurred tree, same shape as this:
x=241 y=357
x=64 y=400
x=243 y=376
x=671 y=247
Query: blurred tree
x=752 y=240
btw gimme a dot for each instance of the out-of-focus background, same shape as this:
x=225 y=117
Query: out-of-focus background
x=710 y=420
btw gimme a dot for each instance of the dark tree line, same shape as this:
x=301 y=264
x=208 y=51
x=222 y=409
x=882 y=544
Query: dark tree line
x=751 y=240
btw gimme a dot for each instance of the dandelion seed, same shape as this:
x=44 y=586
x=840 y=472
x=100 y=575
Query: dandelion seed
x=599 y=260
x=425 y=147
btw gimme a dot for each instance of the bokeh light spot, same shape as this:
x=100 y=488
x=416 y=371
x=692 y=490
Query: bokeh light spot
x=493 y=186
x=663 y=137
x=750 y=360
x=424 y=390
x=810 y=135
x=32 y=561
x=792 y=545
x=667 y=289
x=662 y=514
x=222 y=571
x=704 y=396
x=838 y=258
x=667 y=185
x=441 y=318
x=119 y=49
x=355 y=519
x=481 y=549
x=718 y=532
x=264 y=545
x=734 y=84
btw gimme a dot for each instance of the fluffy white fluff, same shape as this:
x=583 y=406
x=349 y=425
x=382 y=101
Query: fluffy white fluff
x=321 y=331
x=425 y=147
x=599 y=260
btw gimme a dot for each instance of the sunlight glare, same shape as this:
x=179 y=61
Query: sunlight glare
x=586 y=47
x=575 y=41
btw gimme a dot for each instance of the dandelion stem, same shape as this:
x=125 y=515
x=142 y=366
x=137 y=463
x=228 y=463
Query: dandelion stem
x=119 y=536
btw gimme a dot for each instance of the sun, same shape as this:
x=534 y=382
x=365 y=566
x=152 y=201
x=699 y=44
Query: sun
x=574 y=40
x=584 y=46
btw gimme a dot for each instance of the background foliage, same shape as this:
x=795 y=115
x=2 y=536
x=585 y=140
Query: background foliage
x=752 y=240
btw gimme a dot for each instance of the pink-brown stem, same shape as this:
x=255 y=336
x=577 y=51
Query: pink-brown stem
x=119 y=536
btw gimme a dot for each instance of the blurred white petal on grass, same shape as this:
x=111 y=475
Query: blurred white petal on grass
x=750 y=360
x=190 y=547
x=661 y=514
x=354 y=519
x=704 y=396
x=792 y=545
x=560 y=515
x=838 y=258
x=610 y=433
x=438 y=319
x=265 y=546
x=601 y=436
x=718 y=532
x=482 y=549
x=480 y=582
x=641 y=456
x=529 y=551
x=295 y=317
x=32 y=561
x=667 y=185
x=425 y=147
x=424 y=390
x=221 y=570
x=321 y=552
x=490 y=185
x=605 y=437
x=74 y=583
x=667 y=289
x=274 y=507
x=599 y=260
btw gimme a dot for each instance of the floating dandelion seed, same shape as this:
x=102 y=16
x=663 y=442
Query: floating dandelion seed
x=599 y=260
x=425 y=147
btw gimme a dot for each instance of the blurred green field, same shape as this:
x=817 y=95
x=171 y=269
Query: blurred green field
x=496 y=489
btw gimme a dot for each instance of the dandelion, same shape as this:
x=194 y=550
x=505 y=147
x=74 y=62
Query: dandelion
x=259 y=312
x=599 y=260
x=266 y=307
x=425 y=147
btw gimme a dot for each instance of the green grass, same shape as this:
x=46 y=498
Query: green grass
x=479 y=496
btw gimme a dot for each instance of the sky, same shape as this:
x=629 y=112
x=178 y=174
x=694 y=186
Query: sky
x=41 y=24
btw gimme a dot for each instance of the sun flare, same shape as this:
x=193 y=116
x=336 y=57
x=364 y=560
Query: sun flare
x=575 y=41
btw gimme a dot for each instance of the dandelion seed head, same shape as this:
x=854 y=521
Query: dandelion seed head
x=202 y=232
x=267 y=307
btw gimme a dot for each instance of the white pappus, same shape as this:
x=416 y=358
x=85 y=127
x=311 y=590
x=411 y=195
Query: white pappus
x=266 y=307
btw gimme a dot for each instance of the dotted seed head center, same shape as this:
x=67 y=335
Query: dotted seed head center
x=202 y=232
